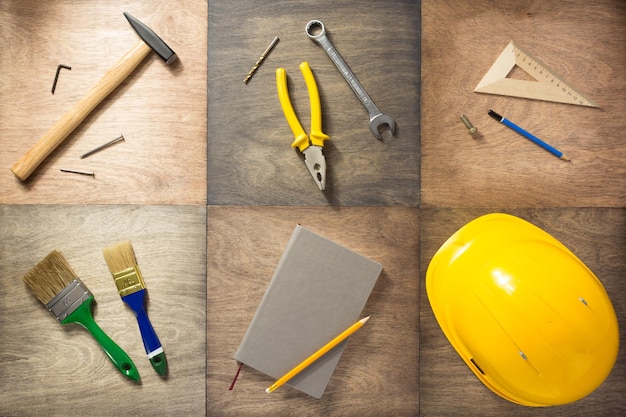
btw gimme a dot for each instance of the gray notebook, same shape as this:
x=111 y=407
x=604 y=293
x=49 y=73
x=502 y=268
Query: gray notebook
x=318 y=290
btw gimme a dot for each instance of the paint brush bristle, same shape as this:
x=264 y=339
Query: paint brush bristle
x=49 y=277
x=120 y=256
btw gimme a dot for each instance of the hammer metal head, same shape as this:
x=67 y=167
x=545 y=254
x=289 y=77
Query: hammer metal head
x=152 y=40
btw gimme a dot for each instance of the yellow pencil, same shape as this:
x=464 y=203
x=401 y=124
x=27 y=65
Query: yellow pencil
x=295 y=371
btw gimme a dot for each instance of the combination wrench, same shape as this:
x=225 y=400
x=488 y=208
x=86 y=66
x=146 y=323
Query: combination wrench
x=315 y=30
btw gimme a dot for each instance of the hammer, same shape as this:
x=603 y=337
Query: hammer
x=150 y=41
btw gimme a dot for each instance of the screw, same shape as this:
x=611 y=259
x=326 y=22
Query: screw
x=470 y=127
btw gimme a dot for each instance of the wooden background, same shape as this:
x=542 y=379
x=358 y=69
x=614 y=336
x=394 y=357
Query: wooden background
x=380 y=365
x=208 y=189
x=55 y=370
x=160 y=109
x=581 y=41
x=251 y=161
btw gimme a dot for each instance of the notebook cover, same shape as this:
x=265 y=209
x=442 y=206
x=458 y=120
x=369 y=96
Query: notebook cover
x=318 y=290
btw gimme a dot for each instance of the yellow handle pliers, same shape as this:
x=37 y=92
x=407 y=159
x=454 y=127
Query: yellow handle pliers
x=311 y=146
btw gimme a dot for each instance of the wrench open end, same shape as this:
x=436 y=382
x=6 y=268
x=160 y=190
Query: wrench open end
x=380 y=121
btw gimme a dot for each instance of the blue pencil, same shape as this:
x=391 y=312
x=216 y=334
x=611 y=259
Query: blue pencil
x=528 y=135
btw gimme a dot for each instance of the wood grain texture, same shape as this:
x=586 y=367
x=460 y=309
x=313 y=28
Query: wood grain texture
x=25 y=166
x=55 y=370
x=584 y=42
x=160 y=109
x=250 y=161
x=205 y=287
x=377 y=373
x=448 y=387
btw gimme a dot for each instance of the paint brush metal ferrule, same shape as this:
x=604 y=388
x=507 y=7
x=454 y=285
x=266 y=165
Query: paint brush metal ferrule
x=69 y=299
x=129 y=281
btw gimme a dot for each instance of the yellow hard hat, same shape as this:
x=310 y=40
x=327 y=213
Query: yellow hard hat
x=530 y=320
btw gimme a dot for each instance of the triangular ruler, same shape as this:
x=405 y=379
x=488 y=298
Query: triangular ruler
x=548 y=87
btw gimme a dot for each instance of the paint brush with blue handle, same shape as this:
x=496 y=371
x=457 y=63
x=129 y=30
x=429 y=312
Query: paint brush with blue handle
x=122 y=263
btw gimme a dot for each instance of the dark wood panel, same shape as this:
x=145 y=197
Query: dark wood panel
x=250 y=161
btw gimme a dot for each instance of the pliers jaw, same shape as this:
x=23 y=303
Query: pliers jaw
x=316 y=163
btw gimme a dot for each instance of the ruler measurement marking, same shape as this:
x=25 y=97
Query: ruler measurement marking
x=539 y=69
x=546 y=79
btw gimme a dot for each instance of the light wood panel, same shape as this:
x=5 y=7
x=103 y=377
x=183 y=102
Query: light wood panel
x=585 y=43
x=160 y=109
x=54 y=370
x=377 y=374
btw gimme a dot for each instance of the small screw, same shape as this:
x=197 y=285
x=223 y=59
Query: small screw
x=99 y=148
x=470 y=127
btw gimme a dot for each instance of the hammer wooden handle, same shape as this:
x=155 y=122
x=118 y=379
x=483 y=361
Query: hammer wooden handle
x=74 y=117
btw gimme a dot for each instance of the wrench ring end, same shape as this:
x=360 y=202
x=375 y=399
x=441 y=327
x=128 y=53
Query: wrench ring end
x=315 y=24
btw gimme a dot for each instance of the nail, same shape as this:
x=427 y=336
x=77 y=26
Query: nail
x=71 y=171
x=101 y=147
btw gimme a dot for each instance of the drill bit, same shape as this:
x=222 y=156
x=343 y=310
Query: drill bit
x=261 y=58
